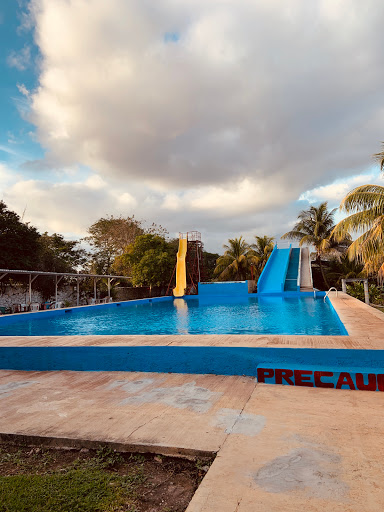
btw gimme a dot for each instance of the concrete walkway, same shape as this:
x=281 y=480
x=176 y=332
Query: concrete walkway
x=280 y=448
x=165 y=413
x=310 y=449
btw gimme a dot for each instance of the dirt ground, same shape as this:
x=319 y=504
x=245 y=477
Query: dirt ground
x=168 y=484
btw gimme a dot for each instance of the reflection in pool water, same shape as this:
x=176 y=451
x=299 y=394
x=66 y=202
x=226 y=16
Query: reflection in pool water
x=193 y=315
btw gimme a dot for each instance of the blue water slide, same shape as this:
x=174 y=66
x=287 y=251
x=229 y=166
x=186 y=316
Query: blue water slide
x=272 y=279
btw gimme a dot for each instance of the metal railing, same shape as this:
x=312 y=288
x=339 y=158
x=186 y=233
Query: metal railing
x=329 y=291
x=299 y=272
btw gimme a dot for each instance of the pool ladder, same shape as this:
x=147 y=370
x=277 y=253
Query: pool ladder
x=330 y=290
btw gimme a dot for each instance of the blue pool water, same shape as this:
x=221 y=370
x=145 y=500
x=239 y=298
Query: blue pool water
x=215 y=315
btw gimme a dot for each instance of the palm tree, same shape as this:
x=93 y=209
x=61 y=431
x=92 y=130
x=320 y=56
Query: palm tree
x=365 y=204
x=235 y=262
x=315 y=228
x=262 y=250
x=380 y=158
x=343 y=268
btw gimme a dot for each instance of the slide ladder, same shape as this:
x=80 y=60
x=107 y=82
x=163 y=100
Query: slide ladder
x=290 y=284
x=181 y=270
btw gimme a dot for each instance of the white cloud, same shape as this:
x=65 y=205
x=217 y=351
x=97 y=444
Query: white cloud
x=8 y=150
x=24 y=91
x=249 y=90
x=95 y=182
x=5 y=176
x=335 y=192
x=251 y=106
x=20 y=59
x=70 y=207
x=126 y=199
x=236 y=198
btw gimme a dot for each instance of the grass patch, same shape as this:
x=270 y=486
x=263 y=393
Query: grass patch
x=51 y=480
x=80 y=490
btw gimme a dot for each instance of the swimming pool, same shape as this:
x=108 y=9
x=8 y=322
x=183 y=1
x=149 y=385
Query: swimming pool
x=193 y=315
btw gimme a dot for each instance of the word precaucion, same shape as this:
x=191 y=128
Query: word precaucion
x=322 y=379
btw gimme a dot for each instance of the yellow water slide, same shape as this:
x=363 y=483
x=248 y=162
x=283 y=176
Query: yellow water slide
x=181 y=270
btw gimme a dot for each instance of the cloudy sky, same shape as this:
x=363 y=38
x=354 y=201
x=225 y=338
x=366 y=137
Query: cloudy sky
x=224 y=116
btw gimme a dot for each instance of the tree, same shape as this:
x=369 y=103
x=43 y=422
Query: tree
x=314 y=228
x=19 y=242
x=57 y=255
x=108 y=238
x=60 y=255
x=149 y=261
x=380 y=158
x=235 y=262
x=343 y=268
x=262 y=250
x=365 y=207
x=209 y=264
x=365 y=204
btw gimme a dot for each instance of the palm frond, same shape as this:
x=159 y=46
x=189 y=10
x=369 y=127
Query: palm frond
x=380 y=158
x=365 y=197
x=356 y=222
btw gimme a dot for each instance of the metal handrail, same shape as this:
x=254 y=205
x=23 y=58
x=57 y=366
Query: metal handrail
x=299 y=272
x=332 y=288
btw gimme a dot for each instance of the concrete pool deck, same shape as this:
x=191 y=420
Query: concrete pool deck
x=317 y=451
x=278 y=448
x=144 y=411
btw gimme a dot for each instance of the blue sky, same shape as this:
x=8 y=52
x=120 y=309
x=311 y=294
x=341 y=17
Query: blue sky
x=225 y=118
x=16 y=141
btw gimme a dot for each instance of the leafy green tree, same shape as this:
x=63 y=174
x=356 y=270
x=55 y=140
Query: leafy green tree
x=149 y=261
x=343 y=268
x=60 y=255
x=375 y=292
x=262 y=249
x=108 y=238
x=209 y=264
x=19 y=242
x=314 y=228
x=235 y=262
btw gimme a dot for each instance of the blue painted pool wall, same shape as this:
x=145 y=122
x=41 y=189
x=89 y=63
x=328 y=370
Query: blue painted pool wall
x=265 y=270
x=223 y=288
x=199 y=360
x=342 y=328
x=19 y=317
